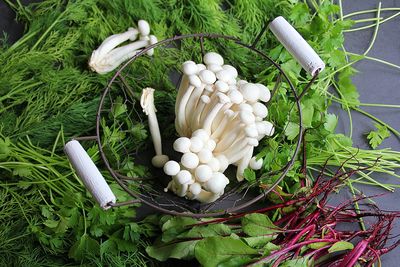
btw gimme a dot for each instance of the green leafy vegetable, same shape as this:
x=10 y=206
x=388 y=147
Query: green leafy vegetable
x=376 y=137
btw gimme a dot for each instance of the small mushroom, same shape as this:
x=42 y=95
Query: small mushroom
x=182 y=144
x=147 y=103
x=203 y=173
x=172 y=168
x=190 y=160
x=217 y=183
x=211 y=58
x=255 y=163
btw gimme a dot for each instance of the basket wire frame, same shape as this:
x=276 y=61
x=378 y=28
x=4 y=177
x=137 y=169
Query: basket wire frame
x=168 y=202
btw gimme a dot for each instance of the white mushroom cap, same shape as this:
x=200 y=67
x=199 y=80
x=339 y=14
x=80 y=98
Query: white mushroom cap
x=195 y=188
x=213 y=58
x=241 y=82
x=217 y=183
x=264 y=93
x=229 y=113
x=252 y=141
x=189 y=68
x=265 y=128
x=201 y=67
x=152 y=41
x=190 y=160
x=214 y=68
x=182 y=144
x=209 y=88
x=172 y=168
x=202 y=134
x=250 y=91
x=231 y=81
x=223 y=98
x=144 y=27
x=205 y=155
x=223 y=163
x=203 y=173
x=235 y=96
x=224 y=75
x=183 y=177
x=158 y=161
x=260 y=110
x=251 y=131
x=222 y=86
x=256 y=164
x=247 y=117
x=205 y=99
x=207 y=76
x=196 y=144
x=211 y=144
x=134 y=33
x=231 y=69
x=246 y=107
x=194 y=80
x=214 y=164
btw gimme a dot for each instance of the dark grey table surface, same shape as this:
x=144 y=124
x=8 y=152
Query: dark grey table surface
x=377 y=83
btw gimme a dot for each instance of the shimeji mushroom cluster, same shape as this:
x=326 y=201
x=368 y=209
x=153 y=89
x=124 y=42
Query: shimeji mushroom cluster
x=220 y=119
x=108 y=56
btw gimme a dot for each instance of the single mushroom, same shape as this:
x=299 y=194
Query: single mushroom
x=147 y=103
x=256 y=164
x=183 y=179
x=190 y=160
x=182 y=144
x=217 y=183
x=172 y=168
x=203 y=173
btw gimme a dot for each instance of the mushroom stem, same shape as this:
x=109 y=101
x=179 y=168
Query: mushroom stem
x=116 y=39
x=223 y=100
x=191 y=106
x=243 y=164
x=206 y=197
x=147 y=103
x=228 y=140
x=180 y=119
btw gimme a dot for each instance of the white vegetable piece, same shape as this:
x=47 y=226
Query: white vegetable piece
x=108 y=56
x=190 y=160
x=217 y=183
x=196 y=144
x=147 y=103
x=203 y=173
x=89 y=174
x=172 y=168
x=211 y=58
x=296 y=45
x=256 y=164
x=182 y=144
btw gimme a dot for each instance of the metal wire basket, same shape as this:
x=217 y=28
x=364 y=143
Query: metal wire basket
x=122 y=90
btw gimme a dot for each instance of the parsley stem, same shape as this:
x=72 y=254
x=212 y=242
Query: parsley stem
x=376 y=59
x=374 y=24
x=338 y=100
x=370 y=11
x=375 y=31
x=341 y=9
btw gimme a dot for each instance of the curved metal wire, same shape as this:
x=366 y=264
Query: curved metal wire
x=149 y=198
